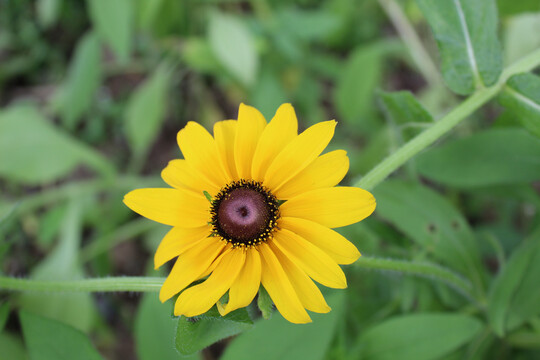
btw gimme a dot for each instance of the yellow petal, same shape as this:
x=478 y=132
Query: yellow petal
x=325 y=171
x=225 y=133
x=319 y=266
x=246 y=285
x=200 y=298
x=177 y=241
x=332 y=243
x=215 y=263
x=189 y=266
x=181 y=175
x=299 y=153
x=280 y=131
x=170 y=206
x=308 y=293
x=277 y=284
x=200 y=150
x=331 y=207
x=249 y=128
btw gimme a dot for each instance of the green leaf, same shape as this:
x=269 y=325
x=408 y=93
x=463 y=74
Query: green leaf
x=522 y=96
x=47 y=12
x=480 y=160
x=510 y=7
x=466 y=35
x=113 y=21
x=12 y=347
x=234 y=46
x=279 y=339
x=356 y=84
x=308 y=25
x=196 y=333
x=155 y=330
x=432 y=222
x=516 y=45
x=47 y=339
x=265 y=304
x=147 y=12
x=34 y=152
x=83 y=79
x=404 y=110
x=515 y=295
x=146 y=110
x=198 y=55
x=417 y=337
x=73 y=308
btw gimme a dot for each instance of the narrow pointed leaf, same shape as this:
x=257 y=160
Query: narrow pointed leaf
x=113 y=21
x=84 y=77
x=515 y=295
x=146 y=109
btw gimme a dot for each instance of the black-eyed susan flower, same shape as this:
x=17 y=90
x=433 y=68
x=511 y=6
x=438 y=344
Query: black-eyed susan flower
x=254 y=205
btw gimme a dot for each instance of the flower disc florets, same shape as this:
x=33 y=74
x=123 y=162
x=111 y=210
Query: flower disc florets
x=244 y=213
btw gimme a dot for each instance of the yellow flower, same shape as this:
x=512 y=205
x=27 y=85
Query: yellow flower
x=274 y=204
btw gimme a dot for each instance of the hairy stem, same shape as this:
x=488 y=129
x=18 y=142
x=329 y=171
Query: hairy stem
x=142 y=284
x=448 y=122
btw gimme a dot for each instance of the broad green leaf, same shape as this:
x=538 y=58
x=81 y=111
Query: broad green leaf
x=47 y=11
x=73 y=308
x=196 y=333
x=155 y=329
x=510 y=7
x=466 y=35
x=491 y=157
x=48 y=339
x=431 y=221
x=113 y=21
x=12 y=347
x=279 y=339
x=83 y=79
x=234 y=46
x=515 y=295
x=35 y=152
x=405 y=111
x=522 y=96
x=516 y=45
x=146 y=110
x=417 y=337
x=356 y=84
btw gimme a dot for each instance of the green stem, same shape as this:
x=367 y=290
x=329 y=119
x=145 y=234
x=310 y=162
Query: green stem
x=448 y=122
x=143 y=284
x=419 y=269
x=407 y=34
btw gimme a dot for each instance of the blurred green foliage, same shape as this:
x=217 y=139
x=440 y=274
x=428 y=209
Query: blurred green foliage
x=93 y=92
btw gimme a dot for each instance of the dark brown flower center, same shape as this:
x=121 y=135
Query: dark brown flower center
x=244 y=213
